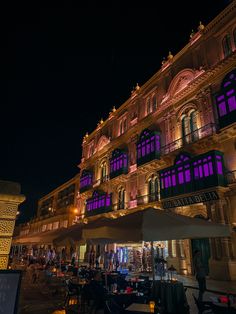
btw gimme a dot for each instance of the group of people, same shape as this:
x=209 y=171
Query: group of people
x=109 y=259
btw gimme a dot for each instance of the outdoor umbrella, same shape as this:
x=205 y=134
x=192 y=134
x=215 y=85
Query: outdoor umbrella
x=153 y=225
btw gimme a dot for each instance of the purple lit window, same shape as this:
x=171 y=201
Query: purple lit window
x=173 y=177
x=219 y=165
x=232 y=103
x=180 y=175
x=118 y=161
x=226 y=101
x=98 y=201
x=187 y=173
x=222 y=108
x=86 y=179
x=149 y=142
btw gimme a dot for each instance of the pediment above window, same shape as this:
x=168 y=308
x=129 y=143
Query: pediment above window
x=102 y=142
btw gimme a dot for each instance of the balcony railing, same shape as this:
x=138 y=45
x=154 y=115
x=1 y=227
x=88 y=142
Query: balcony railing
x=145 y=199
x=205 y=131
x=231 y=177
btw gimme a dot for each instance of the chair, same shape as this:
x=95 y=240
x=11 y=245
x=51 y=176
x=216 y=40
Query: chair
x=203 y=307
x=70 y=292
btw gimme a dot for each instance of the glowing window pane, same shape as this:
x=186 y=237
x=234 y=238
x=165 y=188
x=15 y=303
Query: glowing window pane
x=219 y=165
x=180 y=175
x=166 y=182
x=222 y=108
x=232 y=103
x=187 y=175
x=206 y=170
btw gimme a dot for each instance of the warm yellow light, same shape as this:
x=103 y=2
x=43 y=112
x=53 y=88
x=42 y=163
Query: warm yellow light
x=76 y=211
x=152 y=306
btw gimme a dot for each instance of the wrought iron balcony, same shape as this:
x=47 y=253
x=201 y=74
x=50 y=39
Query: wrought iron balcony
x=203 y=132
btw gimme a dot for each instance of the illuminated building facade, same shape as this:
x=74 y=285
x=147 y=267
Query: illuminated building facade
x=172 y=145
x=56 y=210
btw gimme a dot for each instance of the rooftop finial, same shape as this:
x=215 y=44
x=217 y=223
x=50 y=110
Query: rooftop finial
x=192 y=34
x=201 y=26
x=137 y=88
x=170 y=56
x=163 y=61
x=114 y=109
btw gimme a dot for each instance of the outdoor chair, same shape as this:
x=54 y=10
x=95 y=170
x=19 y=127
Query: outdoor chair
x=203 y=307
x=70 y=292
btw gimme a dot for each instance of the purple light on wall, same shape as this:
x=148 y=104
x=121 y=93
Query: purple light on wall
x=227 y=84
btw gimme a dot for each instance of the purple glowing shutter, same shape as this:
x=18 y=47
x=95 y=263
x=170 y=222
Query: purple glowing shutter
x=219 y=164
x=180 y=175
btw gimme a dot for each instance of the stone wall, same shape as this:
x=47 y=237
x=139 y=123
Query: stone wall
x=10 y=198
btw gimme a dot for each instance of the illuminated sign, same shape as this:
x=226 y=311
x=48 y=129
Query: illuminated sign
x=192 y=199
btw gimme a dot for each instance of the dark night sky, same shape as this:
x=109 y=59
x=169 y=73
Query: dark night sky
x=64 y=68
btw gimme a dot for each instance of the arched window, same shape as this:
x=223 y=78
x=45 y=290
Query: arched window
x=189 y=127
x=149 y=107
x=85 y=180
x=154 y=103
x=98 y=203
x=148 y=146
x=121 y=198
x=118 y=163
x=226 y=43
x=103 y=171
x=185 y=128
x=153 y=189
x=226 y=100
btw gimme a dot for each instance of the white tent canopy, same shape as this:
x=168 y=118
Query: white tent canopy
x=154 y=225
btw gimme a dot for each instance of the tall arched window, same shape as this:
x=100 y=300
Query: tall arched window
x=118 y=163
x=226 y=100
x=149 y=107
x=153 y=189
x=148 y=146
x=154 y=103
x=121 y=198
x=189 y=127
x=226 y=43
x=103 y=171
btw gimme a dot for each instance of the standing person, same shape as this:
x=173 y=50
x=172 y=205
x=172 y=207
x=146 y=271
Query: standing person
x=116 y=259
x=111 y=259
x=106 y=260
x=200 y=273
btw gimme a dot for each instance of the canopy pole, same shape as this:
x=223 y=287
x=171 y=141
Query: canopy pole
x=153 y=266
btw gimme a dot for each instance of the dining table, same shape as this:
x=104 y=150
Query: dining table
x=171 y=296
x=138 y=308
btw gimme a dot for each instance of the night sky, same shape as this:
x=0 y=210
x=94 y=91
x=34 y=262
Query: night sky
x=64 y=68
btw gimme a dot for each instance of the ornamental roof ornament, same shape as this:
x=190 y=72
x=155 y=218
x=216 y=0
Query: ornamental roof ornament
x=201 y=26
x=170 y=56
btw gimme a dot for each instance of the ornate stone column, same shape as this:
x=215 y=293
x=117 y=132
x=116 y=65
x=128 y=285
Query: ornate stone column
x=10 y=198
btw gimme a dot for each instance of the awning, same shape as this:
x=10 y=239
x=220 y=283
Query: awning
x=70 y=236
x=154 y=225
x=46 y=237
